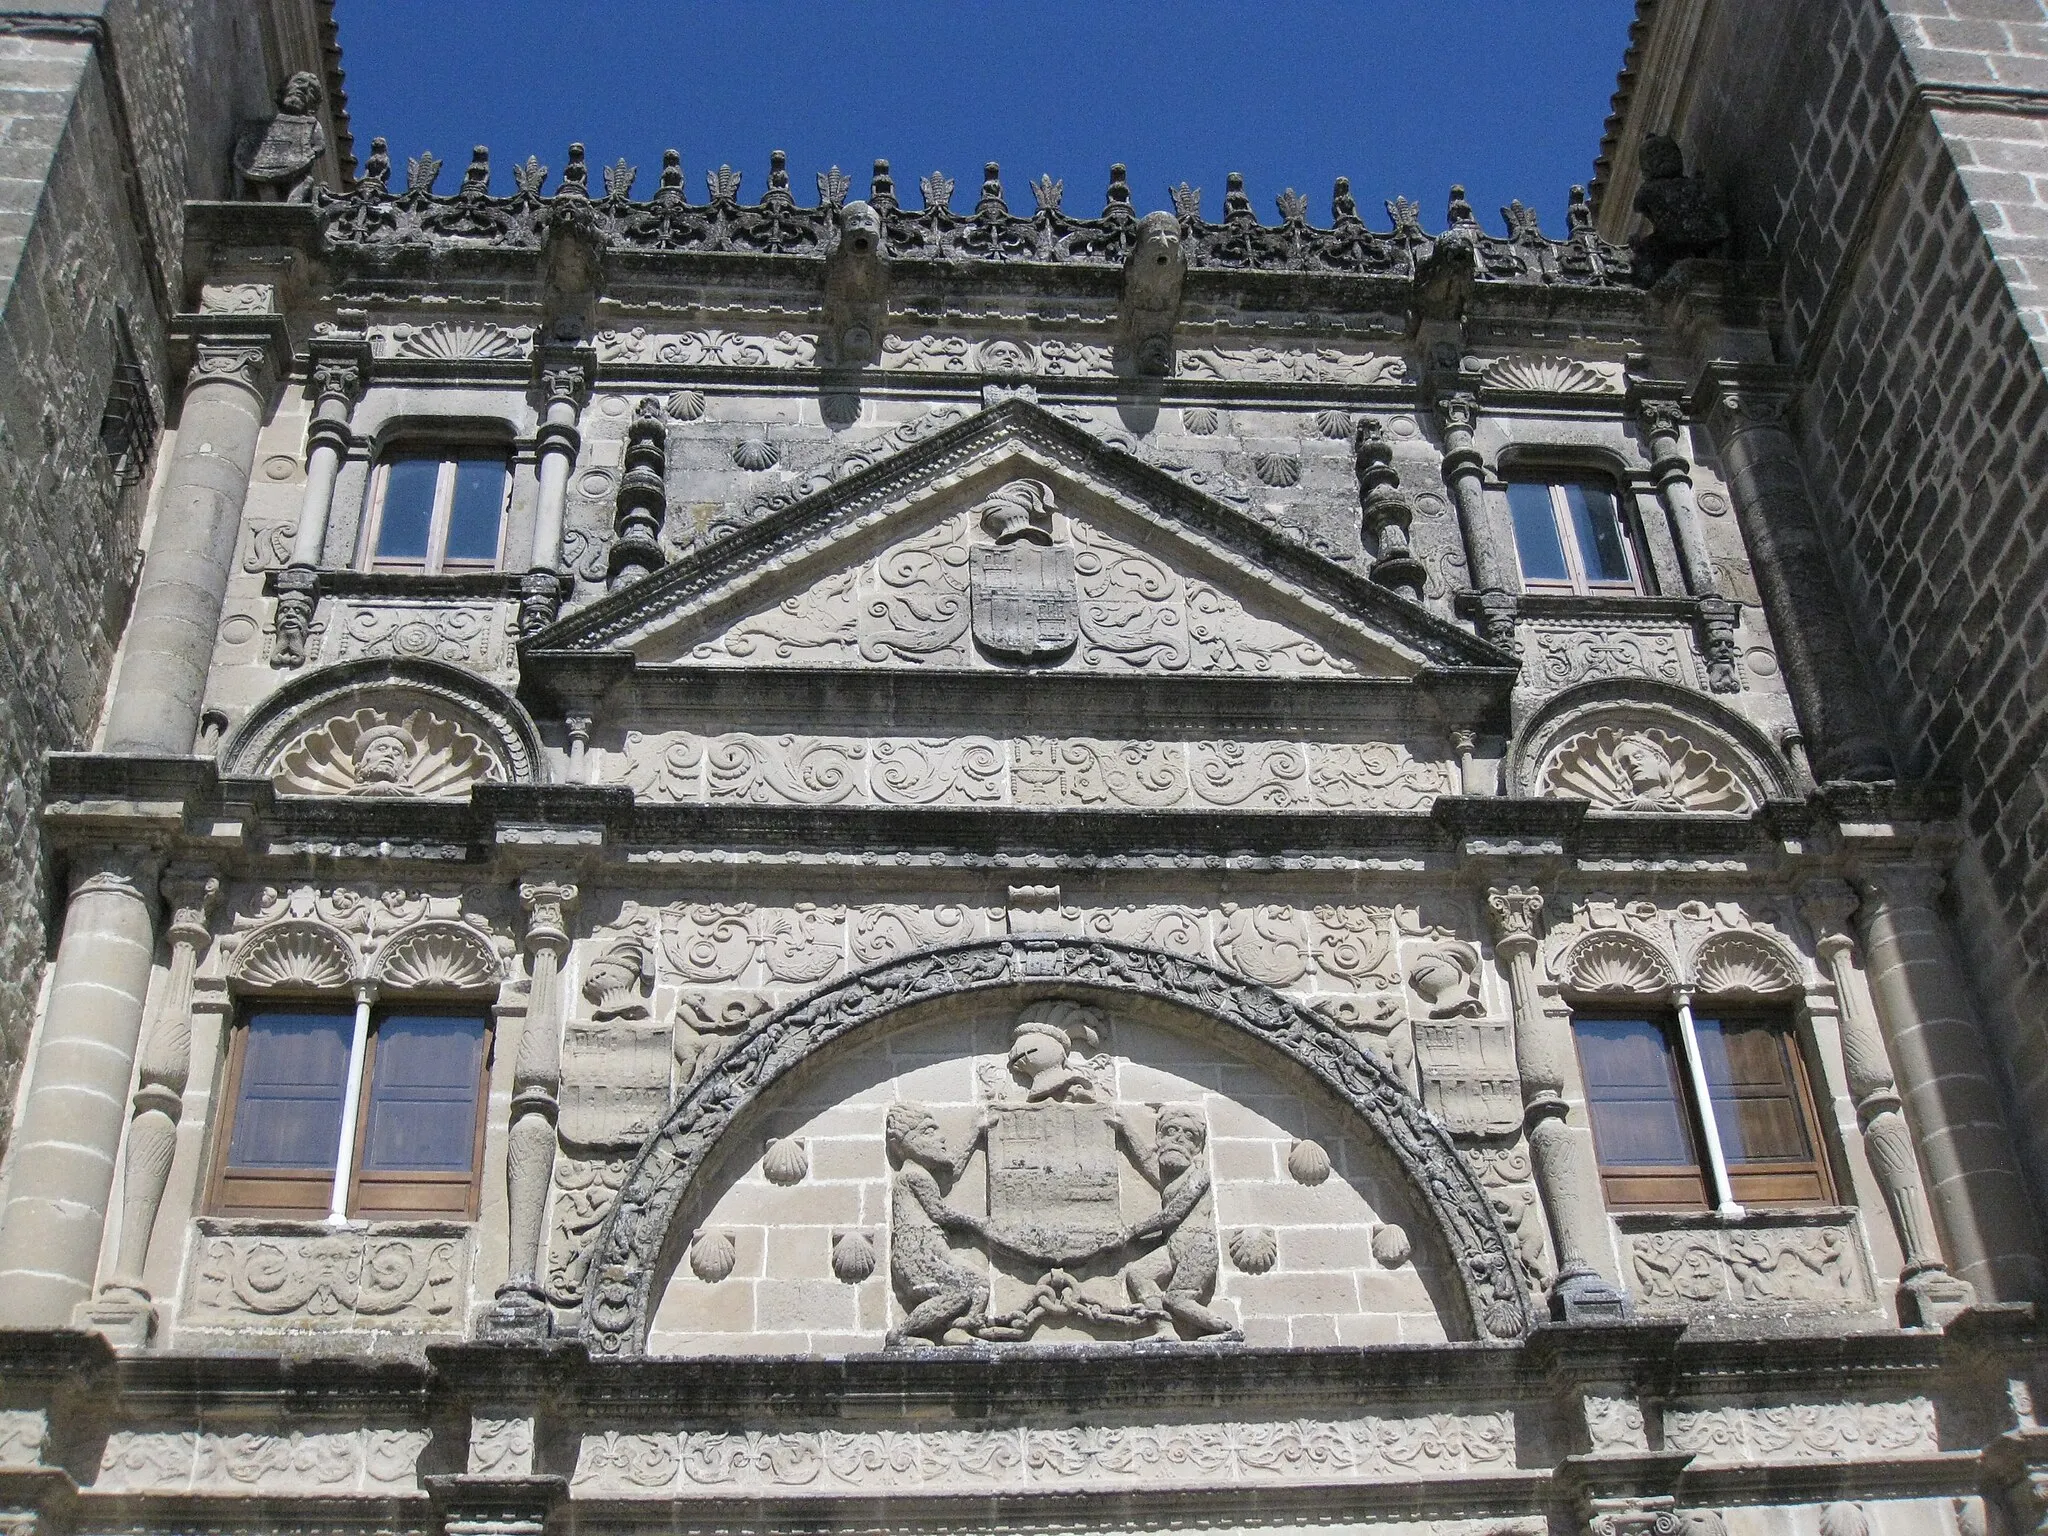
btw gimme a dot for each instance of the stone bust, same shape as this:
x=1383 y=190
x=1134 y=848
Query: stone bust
x=383 y=761
x=1686 y=217
x=274 y=161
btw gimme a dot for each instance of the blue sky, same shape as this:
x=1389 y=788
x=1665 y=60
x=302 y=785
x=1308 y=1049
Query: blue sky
x=1403 y=96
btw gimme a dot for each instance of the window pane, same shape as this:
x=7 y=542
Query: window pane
x=1597 y=526
x=423 y=1094
x=288 y=1108
x=479 y=503
x=1632 y=1094
x=408 y=512
x=1536 y=534
x=1756 y=1098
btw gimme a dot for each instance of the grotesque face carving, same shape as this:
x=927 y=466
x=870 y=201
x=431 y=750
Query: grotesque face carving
x=1662 y=159
x=860 y=228
x=1182 y=1135
x=300 y=95
x=1158 y=240
x=383 y=758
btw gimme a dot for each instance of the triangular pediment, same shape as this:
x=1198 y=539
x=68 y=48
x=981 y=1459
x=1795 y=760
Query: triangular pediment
x=1018 y=541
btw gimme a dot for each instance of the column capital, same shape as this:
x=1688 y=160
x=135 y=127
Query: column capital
x=126 y=868
x=190 y=890
x=1735 y=396
x=1827 y=906
x=1457 y=410
x=249 y=350
x=1899 y=885
x=1513 y=911
x=550 y=906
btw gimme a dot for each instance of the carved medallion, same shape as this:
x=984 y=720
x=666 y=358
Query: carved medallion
x=1025 y=608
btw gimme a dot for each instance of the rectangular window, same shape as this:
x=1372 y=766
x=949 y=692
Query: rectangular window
x=437 y=512
x=1571 y=537
x=415 y=1146
x=1649 y=1126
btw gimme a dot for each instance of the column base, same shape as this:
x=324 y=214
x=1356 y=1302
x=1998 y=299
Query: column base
x=125 y=1319
x=1933 y=1298
x=1582 y=1296
x=516 y=1316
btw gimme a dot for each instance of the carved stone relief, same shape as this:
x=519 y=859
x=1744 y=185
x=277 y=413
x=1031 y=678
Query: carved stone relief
x=333 y=1461
x=352 y=1280
x=1749 y=1267
x=1469 y=1075
x=1802 y=1431
x=1641 y=770
x=1727 y=951
x=482 y=637
x=712 y=1463
x=911 y=605
x=374 y=752
x=325 y=938
x=685 y=768
x=584 y=1191
x=1561 y=655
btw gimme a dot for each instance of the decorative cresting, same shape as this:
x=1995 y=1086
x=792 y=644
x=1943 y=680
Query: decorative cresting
x=636 y=1235
x=1640 y=745
x=380 y=727
x=307 y=939
x=376 y=752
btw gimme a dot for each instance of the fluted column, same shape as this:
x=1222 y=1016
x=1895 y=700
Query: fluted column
x=1493 y=572
x=336 y=383
x=1822 y=663
x=1662 y=421
x=1948 y=1084
x=521 y=1308
x=565 y=383
x=1560 y=1153
x=63 y=1161
x=1927 y=1291
x=170 y=639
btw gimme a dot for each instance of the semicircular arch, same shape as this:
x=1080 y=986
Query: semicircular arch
x=628 y=1253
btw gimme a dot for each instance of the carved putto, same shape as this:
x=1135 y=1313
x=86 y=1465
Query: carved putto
x=1621 y=769
x=373 y=752
x=275 y=160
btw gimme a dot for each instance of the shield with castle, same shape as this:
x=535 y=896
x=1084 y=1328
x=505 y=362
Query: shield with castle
x=1068 y=1239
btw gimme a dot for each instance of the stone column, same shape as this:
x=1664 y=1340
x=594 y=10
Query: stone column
x=170 y=640
x=122 y=1310
x=565 y=382
x=63 y=1172
x=1822 y=662
x=1493 y=572
x=1951 y=1096
x=1662 y=420
x=520 y=1311
x=1560 y=1154
x=336 y=383
x=1928 y=1293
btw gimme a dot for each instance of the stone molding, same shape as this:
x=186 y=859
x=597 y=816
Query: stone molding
x=635 y=1238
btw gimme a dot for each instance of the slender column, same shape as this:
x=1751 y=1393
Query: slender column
x=1662 y=420
x=565 y=381
x=160 y=1089
x=170 y=639
x=1927 y=1290
x=336 y=382
x=1822 y=663
x=1951 y=1094
x=1703 y=1095
x=1560 y=1154
x=351 y=1105
x=521 y=1308
x=1465 y=472
x=63 y=1174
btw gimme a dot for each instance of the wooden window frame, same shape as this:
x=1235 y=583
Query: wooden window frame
x=1577 y=583
x=436 y=563
x=371 y=1196
x=1669 y=1188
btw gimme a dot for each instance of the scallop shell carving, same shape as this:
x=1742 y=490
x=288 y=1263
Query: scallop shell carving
x=1335 y=425
x=1390 y=1245
x=1546 y=376
x=1616 y=963
x=1277 y=469
x=786 y=1161
x=756 y=453
x=1642 y=770
x=458 y=343
x=439 y=957
x=712 y=1256
x=371 y=752
x=1200 y=421
x=853 y=1257
x=1743 y=965
x=684 y=405
x=1308 y=1162
x=1254 y=1249
x=295 y=955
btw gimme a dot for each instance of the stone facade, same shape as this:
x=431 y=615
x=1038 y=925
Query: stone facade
x=1028 y=876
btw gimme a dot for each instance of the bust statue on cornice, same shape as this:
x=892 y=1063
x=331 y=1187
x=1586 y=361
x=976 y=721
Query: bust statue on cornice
x=1685 y=214
x=274 y=160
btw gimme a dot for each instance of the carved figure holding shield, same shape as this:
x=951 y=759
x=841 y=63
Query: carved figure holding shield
x=1177 y=1279
x=947 y=1303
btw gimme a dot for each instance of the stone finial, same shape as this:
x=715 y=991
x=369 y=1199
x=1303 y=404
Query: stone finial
x=1153 y=275
x=1685 y=214
x=274 y=161
x=1117 y=202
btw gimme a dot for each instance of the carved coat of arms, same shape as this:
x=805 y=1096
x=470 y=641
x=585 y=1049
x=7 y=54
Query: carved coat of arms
x=1024 y=603
x=1060 y=1236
